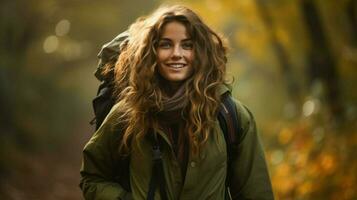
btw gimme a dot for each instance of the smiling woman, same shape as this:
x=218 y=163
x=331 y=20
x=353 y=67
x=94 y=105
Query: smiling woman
x=174 y=125
x=175 y=54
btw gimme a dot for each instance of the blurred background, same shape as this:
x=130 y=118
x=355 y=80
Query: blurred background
x=294 y=63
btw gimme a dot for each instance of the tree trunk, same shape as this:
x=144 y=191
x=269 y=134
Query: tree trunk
x=321 y=63
x=292 y=85
x=352 y=18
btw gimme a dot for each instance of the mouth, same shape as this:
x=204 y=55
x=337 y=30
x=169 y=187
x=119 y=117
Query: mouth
x=176 y=65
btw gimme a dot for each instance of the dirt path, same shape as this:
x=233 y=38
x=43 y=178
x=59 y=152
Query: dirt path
x=48 y=175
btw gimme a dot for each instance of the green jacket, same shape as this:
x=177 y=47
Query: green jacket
x=205 y=176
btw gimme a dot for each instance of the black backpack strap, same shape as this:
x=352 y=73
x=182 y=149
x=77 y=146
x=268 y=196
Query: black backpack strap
x=122 y=172
x=157 y=175
x=230 y=124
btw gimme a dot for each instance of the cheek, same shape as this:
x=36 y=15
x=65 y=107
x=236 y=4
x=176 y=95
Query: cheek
x=161 y=56
x=161 y=69
x=190 y=56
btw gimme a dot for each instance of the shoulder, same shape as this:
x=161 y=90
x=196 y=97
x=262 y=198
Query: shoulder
x=245 y=116
x=110 y=126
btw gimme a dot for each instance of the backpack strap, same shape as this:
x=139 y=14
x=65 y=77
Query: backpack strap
x=157 y=174
x=230 y=124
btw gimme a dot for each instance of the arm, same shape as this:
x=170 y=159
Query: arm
x=99 y=165
x=251 y=178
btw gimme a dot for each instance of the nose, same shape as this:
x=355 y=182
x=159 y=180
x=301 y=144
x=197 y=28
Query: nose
x=177 y=52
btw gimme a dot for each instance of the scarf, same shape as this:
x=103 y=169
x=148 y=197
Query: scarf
x=173 y=124
x=173 y=106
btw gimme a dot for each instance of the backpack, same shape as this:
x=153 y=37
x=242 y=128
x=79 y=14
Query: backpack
x=103 y=102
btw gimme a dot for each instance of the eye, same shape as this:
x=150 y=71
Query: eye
x=165 y=44
x=187 y=45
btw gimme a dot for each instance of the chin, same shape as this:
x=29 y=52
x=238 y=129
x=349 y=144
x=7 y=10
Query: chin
x=175 y=80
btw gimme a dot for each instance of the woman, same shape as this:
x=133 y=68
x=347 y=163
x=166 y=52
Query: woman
x=169 y=79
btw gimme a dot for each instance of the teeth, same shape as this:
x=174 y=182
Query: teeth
x=176 y=65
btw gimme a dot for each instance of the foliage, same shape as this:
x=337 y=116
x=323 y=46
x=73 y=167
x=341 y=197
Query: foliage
x=46 y=83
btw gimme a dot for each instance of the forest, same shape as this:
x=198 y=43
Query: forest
x=292 y=62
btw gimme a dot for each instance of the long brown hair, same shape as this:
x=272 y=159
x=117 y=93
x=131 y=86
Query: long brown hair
x=137 y=85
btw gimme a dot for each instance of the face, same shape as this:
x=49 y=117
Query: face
x=175 y=54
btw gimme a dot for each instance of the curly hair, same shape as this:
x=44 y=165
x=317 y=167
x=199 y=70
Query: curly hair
x=137 y=85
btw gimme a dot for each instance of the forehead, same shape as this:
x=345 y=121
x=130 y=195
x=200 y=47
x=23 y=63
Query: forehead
x=174 y=29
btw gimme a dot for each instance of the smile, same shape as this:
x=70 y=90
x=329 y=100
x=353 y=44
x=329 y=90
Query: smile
x=176 y=65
